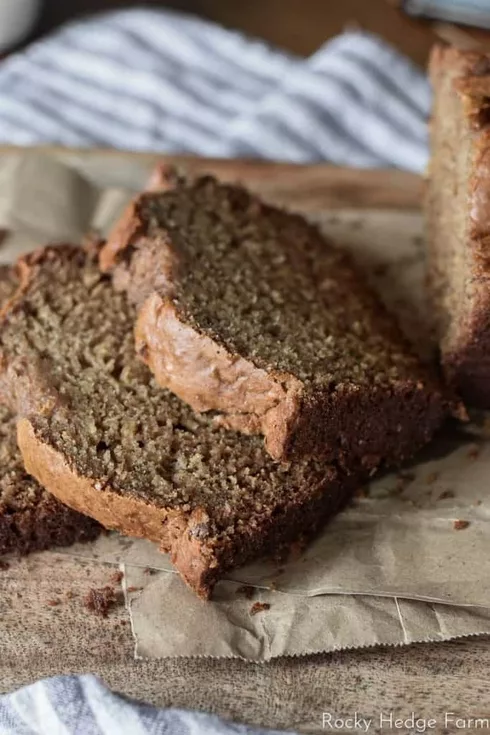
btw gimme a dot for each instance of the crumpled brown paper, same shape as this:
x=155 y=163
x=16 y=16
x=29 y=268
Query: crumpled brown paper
x=407 y=561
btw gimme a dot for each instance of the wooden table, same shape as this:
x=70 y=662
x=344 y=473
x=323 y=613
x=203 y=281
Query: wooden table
x=287 y=693
x=300 y=26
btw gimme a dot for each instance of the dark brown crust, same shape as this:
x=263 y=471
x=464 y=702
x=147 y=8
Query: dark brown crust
x=199 y=563
x=466 y=354
x=44 y=526
x=205 y=374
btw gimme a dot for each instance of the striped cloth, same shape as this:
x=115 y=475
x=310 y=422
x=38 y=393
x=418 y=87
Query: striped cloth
x=155 y=80
x=82 y=705
x=470 y=12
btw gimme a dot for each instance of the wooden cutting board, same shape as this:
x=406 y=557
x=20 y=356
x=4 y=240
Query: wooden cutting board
x=305 y=187
x=430 y=679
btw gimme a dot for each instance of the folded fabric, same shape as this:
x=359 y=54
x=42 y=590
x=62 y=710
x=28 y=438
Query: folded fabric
x=155 y=80
x=82 y=704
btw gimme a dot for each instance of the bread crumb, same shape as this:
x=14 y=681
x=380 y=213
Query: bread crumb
x=246 y=590
x=362 y=492
x=460 y=525
x=446 y=495
x=70 y=594
x=297 y=548
x=116 y=577
x=407 y=476
x=399 y=486
x=258 y=607
x=52 y=603
x=486 y=427
x=92 y=242
x=101 y=600
x=381 y=269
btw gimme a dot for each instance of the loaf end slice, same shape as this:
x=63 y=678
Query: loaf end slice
x=31 y=519
x=458 y=218
x=103 y=437
x=247 y=311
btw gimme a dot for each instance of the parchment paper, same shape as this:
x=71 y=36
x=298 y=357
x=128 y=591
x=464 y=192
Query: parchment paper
x=391 y=569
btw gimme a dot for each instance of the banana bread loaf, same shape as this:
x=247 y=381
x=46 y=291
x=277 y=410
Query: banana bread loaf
x=31 y=519
x=246 y=310
x=98 y=432
x=458 y=217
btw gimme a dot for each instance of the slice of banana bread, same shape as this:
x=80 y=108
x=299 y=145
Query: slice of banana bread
x=458 y=217
x=31 y=519
x=248 y=311
x=98 y=432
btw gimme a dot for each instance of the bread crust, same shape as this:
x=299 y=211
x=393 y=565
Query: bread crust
x=464 y=330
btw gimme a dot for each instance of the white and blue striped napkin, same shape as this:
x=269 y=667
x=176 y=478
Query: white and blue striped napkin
x=155 y=80
x=83 y=705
